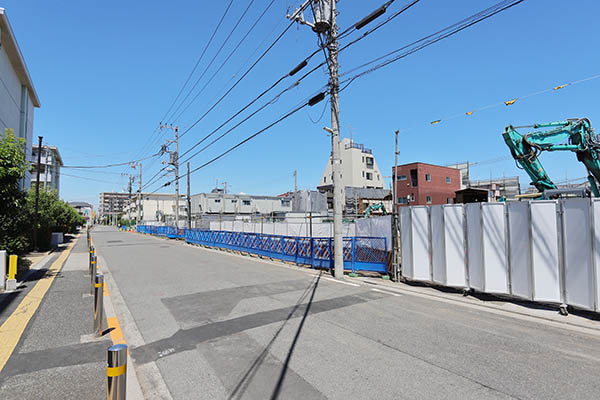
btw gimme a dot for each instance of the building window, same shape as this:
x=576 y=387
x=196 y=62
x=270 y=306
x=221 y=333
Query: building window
x=217 y=200
x=234 y=200
x=401 y=177
x=448 y=180
x=285 y=202
x=363 y=174
x=246 y=202
x=369 y=176
x=377 y=176
x=448 y=200
x=402 y=200
x=370 y=162
x=428 y=177
x=428 y=199
x=414 y=178
x=324 y=179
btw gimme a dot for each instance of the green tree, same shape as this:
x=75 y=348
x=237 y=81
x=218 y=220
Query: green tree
x=55 y=215
x=14 y=218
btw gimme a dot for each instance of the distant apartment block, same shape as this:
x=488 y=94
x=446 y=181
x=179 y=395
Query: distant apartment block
x=112 y=203
x=18 y=97
x=422 y=184
x=50 y=163
x=359 y=168
x=499 y=188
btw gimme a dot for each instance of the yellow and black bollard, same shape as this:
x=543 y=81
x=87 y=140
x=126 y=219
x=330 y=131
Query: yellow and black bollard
x=98 y=303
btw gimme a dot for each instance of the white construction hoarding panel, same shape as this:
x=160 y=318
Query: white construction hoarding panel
x=596 y=213
x=494 y=248
x=454 y=240
x=437 y=245
x=474 y=246
x=405 y=242
x=579 y=277
x=520 y=249
x=420 y=244
x=545 y=254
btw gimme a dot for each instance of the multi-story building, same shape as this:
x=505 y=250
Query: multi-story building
x=499 y=188
x=112 y=204
x=50 y=163
x=84 y=209
x=18 y=97
x=359 y=168
x=156 y=207
x=221 y=203
x=421 y=184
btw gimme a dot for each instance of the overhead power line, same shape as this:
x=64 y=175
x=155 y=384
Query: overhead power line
x=111 y=165
x=426 y=41
x=312 y=101
x=172 y=118
x=264 y=53
x=199 y=59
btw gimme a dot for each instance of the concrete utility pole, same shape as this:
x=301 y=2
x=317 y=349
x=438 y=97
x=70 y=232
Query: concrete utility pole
x=295 y=181
x=174 y=161
x=395 y=219
x=37 y=195
x=338 y=187
x=324 y=12
x=189 y=199
x=139 y=216
x=176 y=165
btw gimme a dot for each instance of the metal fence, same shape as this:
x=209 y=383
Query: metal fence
x=546 y=251
x=163 y=231
x=360 y=253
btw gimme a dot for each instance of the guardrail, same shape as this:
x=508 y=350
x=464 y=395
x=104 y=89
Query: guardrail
x=360 y=253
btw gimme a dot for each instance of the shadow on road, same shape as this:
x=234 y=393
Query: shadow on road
x=241 y=387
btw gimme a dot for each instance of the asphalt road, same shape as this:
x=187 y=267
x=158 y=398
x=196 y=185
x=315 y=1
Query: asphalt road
x=221 y=326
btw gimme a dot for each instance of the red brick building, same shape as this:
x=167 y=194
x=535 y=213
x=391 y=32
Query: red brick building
x=422 y=184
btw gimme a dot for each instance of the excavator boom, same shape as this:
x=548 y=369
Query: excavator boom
x=574 y=135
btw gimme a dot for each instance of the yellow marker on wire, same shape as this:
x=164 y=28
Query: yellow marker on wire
x=510 y=102
x=437 y=121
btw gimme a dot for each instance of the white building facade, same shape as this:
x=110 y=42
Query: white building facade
x=50 y=163
x=220 y=203
x=18 y=97
x=359 y=168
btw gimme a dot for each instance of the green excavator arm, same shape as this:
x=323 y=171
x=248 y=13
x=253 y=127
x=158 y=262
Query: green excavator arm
x=574 y=135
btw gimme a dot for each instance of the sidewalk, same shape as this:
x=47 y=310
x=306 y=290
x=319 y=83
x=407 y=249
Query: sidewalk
x=57 y=355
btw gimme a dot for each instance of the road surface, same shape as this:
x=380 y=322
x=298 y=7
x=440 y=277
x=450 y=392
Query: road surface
x=213 y=325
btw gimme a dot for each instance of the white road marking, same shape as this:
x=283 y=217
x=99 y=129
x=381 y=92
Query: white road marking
x=345 y=283
x=386 y=292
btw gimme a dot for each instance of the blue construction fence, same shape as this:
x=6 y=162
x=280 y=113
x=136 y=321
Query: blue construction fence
x=360 y=253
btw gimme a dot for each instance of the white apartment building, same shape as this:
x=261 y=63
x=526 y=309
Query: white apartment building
x=50 y=163
x=156 y=207
x=220 y=203
x=18 y=97
x=359 y=168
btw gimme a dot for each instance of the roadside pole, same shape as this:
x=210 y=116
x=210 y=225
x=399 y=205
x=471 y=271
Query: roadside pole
x=395 y=219
x=189 y=199
x=37 y=195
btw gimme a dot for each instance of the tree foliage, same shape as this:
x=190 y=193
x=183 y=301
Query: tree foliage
x=14 y=218
x=17 y=208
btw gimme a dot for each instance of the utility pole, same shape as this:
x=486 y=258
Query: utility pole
x=37 y=195
x=395 y=219
x=174 y=161
x=338 y=187
x=324 y=12
x=139 y=216
x=295 y=181
x=176 y=164
x=189 y=199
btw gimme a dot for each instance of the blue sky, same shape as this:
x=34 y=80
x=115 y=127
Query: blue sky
x=106 y=73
